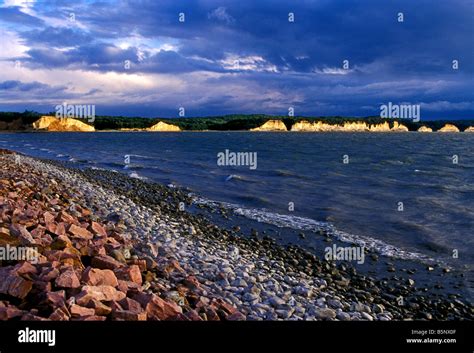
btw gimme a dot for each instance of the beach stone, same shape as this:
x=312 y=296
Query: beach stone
x=343 y=316
x=239 y=283
x=251 y=298
x=366 y=316
x=334 y=303
x=378 y=308
x=325 y=313
x=276 y=301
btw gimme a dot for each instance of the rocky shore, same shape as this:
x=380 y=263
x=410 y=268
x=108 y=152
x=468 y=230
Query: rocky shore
x=111 y=247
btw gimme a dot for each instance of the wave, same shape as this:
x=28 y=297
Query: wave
x=236 y=177
x=103 y=169
x=308 y=224
x=135 y=175
x=141 y=156
x=287 y=173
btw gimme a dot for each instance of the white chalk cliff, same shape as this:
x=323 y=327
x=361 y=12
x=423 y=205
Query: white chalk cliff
x=161 y=126
x=51 y=123
x=319 y=126
x=449 y=128
x=271 y=125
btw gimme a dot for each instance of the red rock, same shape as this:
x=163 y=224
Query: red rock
x=159 y=309
x=25 y=268
x=12 y=284
x=96 y=277
x=221 y=304
x=48 y=218
x=60 y=229
x=68 y=279
x=40 y=286
x=96 y=228
x=48 y=274
x=10 y=312
x=56 y=299
x=127 y=315
x=65 y=217
x=193 y=315
x=211 y=314
x=131 y=305
x=131 y=273
x=100 y=293
x=174 y=265
x=20 y=231
x=92 y=318
x=140 y=263
x=237 y=316
x=100 y=308
x=77 y=310
x=60 y=314
x=32 y=317
x=128 y=286
x=69 y=257
x=105 y=262
x=61 y=242
x=80 y=232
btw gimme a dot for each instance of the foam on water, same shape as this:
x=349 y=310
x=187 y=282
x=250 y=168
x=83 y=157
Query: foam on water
x=308 y=224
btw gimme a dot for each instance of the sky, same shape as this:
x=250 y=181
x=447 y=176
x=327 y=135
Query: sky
x=320 y=58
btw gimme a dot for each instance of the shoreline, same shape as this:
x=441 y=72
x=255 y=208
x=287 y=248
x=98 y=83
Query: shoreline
x=215 y=273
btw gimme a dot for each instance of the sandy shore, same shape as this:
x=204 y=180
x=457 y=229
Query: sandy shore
x=110 y=247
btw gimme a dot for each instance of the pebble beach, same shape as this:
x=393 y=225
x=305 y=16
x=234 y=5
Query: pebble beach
x=111 y=247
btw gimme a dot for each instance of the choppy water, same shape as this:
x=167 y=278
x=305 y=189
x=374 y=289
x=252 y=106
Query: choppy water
x=356 y=202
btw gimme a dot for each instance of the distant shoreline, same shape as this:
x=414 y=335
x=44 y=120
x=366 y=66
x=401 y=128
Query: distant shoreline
x=16 y=121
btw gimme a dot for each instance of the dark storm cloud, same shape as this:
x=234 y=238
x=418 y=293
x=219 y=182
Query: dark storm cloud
x=254 y=45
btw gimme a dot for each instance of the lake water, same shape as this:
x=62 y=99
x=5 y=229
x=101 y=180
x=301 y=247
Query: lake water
x=399 y=193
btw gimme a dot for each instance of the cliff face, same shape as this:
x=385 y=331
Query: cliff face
x=52 y=123
x=449 y=128
x=161 y=126
x=469 y=129
x=425 y=129
x=44 y=122
x=319 y=126
x=271 y=125
x=398 y=127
